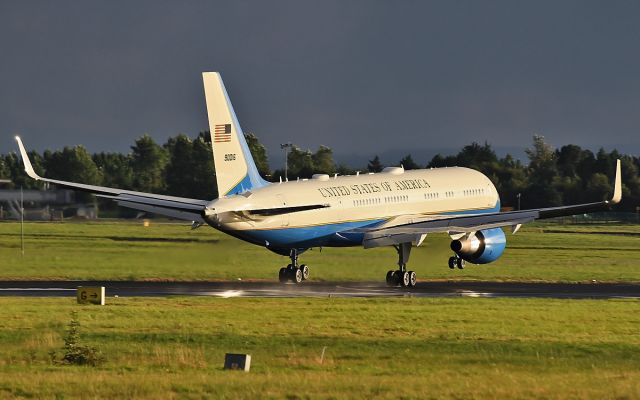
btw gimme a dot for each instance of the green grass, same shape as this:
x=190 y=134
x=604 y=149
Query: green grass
x=169 y=251
x=451 y=348
x=375 y=348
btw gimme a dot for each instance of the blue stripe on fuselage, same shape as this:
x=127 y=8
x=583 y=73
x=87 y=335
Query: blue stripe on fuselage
x=308 y=236
x=327 y=234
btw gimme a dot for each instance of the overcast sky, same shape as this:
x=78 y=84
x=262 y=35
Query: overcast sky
x=362 y=77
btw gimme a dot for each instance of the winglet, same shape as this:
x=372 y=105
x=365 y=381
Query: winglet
x=25 y=160
x=617 y=188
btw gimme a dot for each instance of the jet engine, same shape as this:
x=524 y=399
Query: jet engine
x=481 y=247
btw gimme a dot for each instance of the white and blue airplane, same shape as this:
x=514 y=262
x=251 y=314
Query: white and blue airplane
x=392 y=208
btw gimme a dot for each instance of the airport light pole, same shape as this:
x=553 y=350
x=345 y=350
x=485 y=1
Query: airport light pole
x=286 y=147
x=21 y=221
x=518 y=196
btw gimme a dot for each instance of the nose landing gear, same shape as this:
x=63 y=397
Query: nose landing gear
x=456 y=261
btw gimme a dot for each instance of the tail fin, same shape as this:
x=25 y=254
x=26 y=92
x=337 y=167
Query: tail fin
x=236 y=171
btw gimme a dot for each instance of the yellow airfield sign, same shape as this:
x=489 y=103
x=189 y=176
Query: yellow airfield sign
x=90 y=295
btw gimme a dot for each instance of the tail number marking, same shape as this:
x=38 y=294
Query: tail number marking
x=229 y=157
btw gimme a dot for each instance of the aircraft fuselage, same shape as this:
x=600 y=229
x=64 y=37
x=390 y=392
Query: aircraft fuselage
x=350 y=202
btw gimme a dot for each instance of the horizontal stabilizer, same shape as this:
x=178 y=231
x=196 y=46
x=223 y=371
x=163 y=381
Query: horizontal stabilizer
x=169 y=212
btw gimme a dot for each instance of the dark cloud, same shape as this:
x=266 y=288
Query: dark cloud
x=360 y=76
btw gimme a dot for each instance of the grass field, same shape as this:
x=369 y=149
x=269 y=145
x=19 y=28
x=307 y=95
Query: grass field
x=375 y=348
x=170 y=251
x=438 y=348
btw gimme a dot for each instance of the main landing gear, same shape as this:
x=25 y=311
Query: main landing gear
x=294 y=272
x=401 y=276
x=456 y=261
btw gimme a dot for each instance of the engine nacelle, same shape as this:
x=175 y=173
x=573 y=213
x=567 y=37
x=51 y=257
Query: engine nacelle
x=482 y=248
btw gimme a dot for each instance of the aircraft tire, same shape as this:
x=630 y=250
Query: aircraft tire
x=297 y=275
x=283 y=275
x=460 y=263
x=404 y=279
x=412 y=278
x=305 y=272
x=391 y=278
x=452 y=262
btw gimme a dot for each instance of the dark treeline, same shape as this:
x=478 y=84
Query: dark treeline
x=567 y=175
x=184 y=167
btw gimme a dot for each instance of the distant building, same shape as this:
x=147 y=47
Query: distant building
x=42 y=204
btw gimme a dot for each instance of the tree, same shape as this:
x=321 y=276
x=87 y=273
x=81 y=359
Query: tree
x=408 y=163
x=606 y=163
x=13 y=163
x=9 y=166
x=259 y=154
x=476 y=156
x=510 y=179
x=300 y=163
x=599 y=187
x=542 y=171
x=190 y=171
x=542 y=160
x=375 y=165
x=631 y=182
x=115 y=169
x=179 y=178
x=4 y=170
x=568 y=159
x=343 y=169
x=439 y=161
x=303 y=163
x=72 y=164
x=204 y=172
x=148 y=161
x=323 y=161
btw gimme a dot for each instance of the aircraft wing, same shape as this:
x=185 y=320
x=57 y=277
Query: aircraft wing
x=175 y=207
x=395 y=233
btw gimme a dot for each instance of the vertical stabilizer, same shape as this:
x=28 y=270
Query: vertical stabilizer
x=236 y=171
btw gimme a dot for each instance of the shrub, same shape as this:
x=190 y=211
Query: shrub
x=76 y=353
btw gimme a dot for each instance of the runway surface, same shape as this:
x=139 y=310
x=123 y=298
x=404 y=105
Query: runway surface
x=326 y=289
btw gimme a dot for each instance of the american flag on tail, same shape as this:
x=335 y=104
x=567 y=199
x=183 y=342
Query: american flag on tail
x=222 y=133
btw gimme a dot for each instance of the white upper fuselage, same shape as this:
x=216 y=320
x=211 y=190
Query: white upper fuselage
x=393 y=196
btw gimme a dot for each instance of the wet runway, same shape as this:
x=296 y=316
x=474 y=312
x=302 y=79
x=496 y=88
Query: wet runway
x=326 y=289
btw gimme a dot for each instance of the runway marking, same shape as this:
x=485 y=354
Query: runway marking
x=229 y=293
x=36 y=289
x=471 y=293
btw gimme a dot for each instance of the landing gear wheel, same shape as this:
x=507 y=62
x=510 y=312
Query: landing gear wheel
x=305 y=272
x=391 y=278
x=297 y=275
x=452 y=262
x=404 y=279
x=397 y=277
x=283 y=275
x=412 y=279
x=460 y=263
